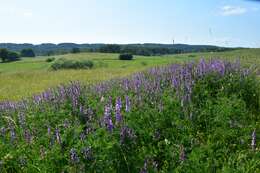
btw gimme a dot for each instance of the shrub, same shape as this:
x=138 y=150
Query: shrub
x=13 y=56
x=126 y=56
x=144 y=63
x=72 y=64
x=191 y=56
x=50 y=59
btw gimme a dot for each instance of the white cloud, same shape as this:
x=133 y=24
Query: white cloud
x=232 y=10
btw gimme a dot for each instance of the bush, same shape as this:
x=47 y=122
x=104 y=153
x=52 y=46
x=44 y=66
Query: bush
x=126 y=56
x=50 y=59
x=72 y=64
x=13 y=56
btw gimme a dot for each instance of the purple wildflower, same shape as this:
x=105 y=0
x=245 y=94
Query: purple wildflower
x=57 y=135
x=12 y=134
x=253 y=144
x=175 y=82
x=107 y=118
x=49 y=130
x=127 y=104
x=110 y=125
x=27 y=136
x=118 y=110
x=126 y=134
x=66 y=124
x=145 y=167
x=87 y=153
x=21 y=119
x=22 y=161
x=74 y=156
x=82 y=136
x=182 y=154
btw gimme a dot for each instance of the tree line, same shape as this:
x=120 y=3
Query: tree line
x=8 y=56
x=147 y=49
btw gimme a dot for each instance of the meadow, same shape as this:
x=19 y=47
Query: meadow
x=195 y=117
x=33 y=75
x=175 y=113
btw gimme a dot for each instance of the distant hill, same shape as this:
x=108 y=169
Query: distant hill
x=139 y=49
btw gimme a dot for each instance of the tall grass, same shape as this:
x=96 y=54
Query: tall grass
x=196 y=117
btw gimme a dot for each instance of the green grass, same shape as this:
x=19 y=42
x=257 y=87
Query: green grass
x=33 y=75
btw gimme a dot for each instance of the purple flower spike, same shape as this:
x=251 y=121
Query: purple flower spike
x=87 y=153
x=49 y=130
x=127 y=104
x=145 y=167
x=74 y=156
x=107 y=120
x=126 y=134
x=182 y=154
x=27 y=136
x=118 y=110
x=253 y=144
x=110 y=125
x=21 y=118
x=12 y=134
x=57 y=134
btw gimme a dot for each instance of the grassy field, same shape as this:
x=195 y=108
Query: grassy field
x=199 y=117
x=33 y=75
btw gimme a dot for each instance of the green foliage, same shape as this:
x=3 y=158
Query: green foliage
x=13 y=56
x=110 y=48
x=8 y=56
x=50 y=59
x=126 y=56
x=4 y=54
x=27 y=53
x=135 y=49
x=75 y=50
x=210 y=134
x=72 y=64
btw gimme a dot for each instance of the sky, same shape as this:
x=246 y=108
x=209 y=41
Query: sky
x=231 y=23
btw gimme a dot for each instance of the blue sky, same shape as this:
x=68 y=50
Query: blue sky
x=216 y=22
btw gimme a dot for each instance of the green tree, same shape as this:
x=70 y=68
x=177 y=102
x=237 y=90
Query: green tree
x=75 y=50
x=4 y=55
x=27 y=53
x=110 y=48
x=13 y=56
